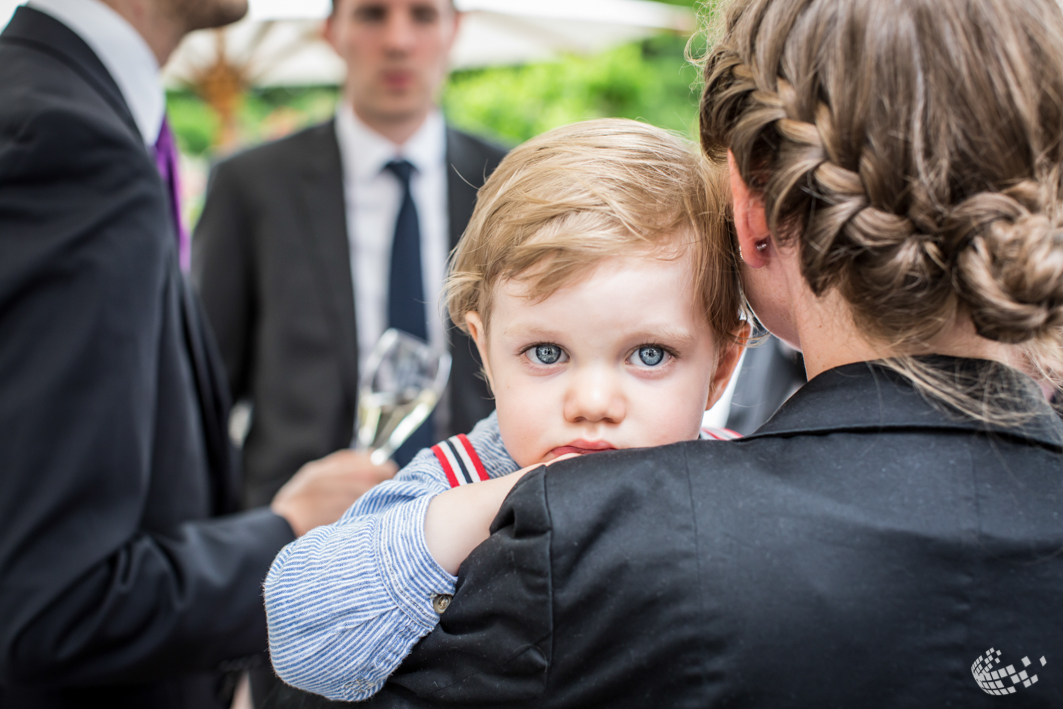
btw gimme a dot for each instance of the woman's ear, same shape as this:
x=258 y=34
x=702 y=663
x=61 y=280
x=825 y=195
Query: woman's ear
x=751 y=222
x=730 y=354
x=479 y=336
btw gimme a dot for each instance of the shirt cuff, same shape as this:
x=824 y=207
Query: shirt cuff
x=411 y=574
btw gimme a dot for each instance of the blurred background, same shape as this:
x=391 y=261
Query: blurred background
x=520 y=67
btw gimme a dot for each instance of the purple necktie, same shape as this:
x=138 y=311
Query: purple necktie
x=166 y=161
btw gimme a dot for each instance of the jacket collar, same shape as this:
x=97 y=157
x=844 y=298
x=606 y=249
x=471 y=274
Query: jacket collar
x=124 y=53
x=47 y=34
x=867 y=396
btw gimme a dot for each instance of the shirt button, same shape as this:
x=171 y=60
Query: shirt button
x=441 y=601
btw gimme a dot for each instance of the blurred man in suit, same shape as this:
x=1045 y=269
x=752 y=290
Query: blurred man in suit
x=126 y=577
x=310 y=247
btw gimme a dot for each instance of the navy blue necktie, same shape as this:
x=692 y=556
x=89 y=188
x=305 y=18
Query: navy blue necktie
x=406 y=301
x=406 y=309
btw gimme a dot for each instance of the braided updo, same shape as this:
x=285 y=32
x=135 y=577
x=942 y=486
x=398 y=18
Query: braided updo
x=911 y=148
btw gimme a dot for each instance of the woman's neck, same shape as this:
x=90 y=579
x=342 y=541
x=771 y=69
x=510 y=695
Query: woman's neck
x=830 y=338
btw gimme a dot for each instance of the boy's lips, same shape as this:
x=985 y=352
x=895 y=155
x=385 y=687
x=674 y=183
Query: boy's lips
x=582 y=447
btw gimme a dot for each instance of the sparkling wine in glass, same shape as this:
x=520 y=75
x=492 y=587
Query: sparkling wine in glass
x=403 y=379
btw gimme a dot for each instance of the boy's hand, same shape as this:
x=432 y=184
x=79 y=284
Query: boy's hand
x=459 y=520
x=322 y=490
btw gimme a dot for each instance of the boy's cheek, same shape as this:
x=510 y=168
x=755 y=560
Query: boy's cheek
x=518 y=425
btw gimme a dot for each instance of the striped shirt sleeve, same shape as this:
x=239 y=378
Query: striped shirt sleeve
x=347 y=602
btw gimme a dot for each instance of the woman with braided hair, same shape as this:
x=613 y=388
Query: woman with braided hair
x=893 y=536
x=908 y=157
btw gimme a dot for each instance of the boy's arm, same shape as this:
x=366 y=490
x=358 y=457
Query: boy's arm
x=347 y=602
x=459 y=520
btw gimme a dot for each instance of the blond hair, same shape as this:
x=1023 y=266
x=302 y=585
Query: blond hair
x=562 y=202
x=913 y=152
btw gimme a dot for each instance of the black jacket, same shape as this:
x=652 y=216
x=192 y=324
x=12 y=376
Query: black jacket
x=270 y=257
x=862 y=549
x=120 y=584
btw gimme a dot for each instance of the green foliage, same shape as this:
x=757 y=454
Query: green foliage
x=648 y=80
x=192 y=121
x=264 y=114
x=273 y=112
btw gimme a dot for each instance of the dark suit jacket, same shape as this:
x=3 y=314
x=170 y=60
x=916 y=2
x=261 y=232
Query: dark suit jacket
x=119 y=583
x=863 y=549
x=270 y=257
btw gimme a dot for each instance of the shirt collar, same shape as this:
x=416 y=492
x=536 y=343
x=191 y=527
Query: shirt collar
x=366 y=152
x=123 y=51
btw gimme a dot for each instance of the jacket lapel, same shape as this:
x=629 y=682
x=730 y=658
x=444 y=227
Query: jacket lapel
x=466 y=167
x=325 y=216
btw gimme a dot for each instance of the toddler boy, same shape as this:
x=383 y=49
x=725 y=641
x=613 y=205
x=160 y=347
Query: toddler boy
x=599 y=281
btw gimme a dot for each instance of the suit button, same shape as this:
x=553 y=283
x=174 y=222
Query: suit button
x=441 y=601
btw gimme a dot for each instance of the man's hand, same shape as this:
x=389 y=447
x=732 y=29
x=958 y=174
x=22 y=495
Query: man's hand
x=324 y=489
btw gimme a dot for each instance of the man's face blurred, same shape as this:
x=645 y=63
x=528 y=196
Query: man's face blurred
x=396 y=54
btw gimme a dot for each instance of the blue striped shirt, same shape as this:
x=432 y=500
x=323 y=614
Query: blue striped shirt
x=347 y=602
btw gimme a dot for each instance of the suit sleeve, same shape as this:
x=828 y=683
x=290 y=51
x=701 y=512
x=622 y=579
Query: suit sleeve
x=223 y=271
x=109 y=572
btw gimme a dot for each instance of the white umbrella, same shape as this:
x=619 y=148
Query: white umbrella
x=517 y=31
x=7 y=9
x=279 y=43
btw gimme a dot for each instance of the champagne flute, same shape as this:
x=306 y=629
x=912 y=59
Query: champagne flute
x=403 y=379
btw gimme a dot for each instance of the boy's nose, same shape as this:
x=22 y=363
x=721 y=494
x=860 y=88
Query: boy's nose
x=595 y=396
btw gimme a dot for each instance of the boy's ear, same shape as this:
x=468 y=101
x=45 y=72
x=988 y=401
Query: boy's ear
x=730 y=354
x=479 y=336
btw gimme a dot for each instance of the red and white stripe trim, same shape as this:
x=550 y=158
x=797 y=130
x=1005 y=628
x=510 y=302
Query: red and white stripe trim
x=719 y=434
x=459 y=461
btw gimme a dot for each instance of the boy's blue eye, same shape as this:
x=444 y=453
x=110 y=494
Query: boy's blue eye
x=546 y=354
x=651 y=355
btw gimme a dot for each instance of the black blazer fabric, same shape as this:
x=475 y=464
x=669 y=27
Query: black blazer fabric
x=862 y=549
x=120 y=584
x=272 y=263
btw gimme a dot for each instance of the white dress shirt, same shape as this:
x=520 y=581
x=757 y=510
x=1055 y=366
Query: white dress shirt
x=122 y=51
x=372 y=197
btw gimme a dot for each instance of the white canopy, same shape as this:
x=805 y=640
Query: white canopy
x=278 y=43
